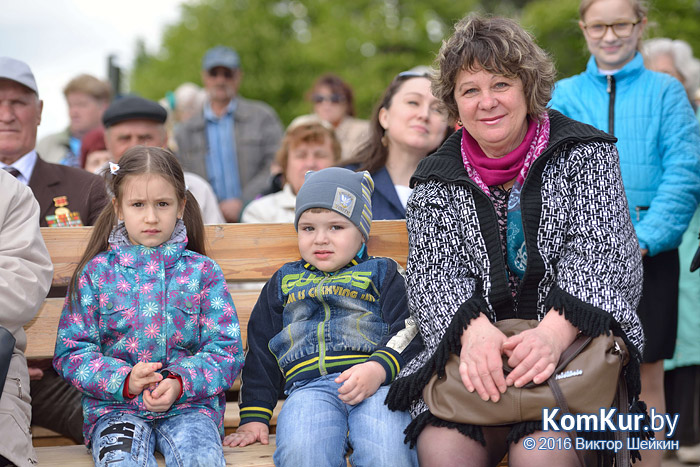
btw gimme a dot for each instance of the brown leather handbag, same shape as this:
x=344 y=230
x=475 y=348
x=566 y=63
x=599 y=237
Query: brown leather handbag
x=585 y=379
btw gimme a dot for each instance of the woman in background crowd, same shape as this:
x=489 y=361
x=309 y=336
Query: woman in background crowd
x=93 y=151
x=308 y=144
x=659 y=145
x=408 y=124
x=332 y=99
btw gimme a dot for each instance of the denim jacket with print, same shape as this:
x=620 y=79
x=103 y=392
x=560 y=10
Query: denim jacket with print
x=309 y=323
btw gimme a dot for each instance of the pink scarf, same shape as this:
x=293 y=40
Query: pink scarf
x=486 y=171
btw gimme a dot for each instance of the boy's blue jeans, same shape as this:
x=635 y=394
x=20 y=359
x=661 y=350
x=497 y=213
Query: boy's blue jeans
x=188 y=439
x=315 y=428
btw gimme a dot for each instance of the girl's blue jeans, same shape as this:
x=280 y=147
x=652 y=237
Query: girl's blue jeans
x=315 y=428
x=188 y=439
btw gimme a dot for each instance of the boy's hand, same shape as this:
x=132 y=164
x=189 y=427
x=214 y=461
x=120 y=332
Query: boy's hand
x=248 y=434
x=143 y=374
x=360 y=382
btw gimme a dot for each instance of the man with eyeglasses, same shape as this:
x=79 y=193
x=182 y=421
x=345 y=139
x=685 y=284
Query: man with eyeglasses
x=233 y=141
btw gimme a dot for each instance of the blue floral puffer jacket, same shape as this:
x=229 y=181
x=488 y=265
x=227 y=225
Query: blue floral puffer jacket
x=139 y=304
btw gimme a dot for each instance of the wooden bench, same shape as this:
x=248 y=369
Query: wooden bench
x=246 y=253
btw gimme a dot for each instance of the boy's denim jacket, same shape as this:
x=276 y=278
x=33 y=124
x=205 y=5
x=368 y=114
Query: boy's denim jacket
x=309 y=323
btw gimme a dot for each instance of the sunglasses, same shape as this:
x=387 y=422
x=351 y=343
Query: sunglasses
x=227 y=73
x=333 y=98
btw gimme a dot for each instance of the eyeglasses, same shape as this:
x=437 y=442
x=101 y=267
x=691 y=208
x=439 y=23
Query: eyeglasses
x=334 y=98
x=226 y=72
x=621 y=30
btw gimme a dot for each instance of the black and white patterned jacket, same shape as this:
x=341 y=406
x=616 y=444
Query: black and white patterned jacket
x=582 y=253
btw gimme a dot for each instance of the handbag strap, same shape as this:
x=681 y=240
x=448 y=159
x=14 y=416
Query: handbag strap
x=622 y=456
x=561 y=402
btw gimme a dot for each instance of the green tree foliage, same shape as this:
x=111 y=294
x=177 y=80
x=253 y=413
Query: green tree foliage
x=285 y=44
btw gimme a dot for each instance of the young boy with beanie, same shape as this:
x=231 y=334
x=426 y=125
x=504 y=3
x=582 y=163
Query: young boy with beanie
x=332 y=331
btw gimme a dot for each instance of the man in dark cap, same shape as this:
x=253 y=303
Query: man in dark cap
x=67 y=196
x=233 y=141
x=132 y=121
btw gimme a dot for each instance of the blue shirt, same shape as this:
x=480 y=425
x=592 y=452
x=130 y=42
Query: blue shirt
x=221 y=159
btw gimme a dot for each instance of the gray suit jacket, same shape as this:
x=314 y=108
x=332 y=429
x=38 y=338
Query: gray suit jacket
x=258 y=132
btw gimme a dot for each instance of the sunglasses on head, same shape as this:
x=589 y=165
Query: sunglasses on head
x=227 y=73
x=413 y=74
x=334 y=98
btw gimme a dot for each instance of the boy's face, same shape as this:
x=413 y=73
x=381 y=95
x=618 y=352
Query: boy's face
x=328 y=240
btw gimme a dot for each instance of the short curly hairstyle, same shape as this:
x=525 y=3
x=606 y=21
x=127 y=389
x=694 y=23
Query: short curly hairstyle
x=499 y=46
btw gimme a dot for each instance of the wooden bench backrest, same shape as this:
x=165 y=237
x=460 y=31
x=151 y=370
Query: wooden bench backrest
x=245 y=252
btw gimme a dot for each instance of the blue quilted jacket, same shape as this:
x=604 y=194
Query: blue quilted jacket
x=658 y=141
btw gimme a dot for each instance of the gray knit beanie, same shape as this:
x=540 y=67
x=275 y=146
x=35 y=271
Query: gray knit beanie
x=341 y=190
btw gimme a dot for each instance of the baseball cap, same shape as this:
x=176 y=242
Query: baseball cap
x=19 y=72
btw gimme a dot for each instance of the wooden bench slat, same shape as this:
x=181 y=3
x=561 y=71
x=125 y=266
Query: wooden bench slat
x=245 y=252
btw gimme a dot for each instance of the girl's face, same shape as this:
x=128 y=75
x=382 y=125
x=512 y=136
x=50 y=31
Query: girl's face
x=610 y=51
x=149 y=208
x=414 y=120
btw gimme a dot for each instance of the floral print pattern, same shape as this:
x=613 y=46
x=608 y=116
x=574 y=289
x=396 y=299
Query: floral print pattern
x=165 y=304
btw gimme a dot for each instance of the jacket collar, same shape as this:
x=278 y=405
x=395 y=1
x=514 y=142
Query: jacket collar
x=446 y=165
x=632 y=68
x=384 y=186
x=130 y=255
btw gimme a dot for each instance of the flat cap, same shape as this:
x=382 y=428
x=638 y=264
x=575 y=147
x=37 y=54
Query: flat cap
x=133 y=108
x=221 y=56
x=19 y=72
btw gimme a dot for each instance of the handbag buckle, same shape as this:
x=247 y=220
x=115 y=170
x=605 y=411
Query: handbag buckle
x=617 y=350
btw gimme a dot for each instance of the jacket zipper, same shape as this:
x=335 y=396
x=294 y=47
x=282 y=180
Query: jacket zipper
x=19 y=385
x=320 y=332
x=611 y=105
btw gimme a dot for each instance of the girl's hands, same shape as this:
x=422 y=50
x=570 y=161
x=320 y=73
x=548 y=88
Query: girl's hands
x=481 y=365
x=143 y=375
x=163 y=396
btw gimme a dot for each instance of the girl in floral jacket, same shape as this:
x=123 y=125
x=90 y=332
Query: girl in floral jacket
x=149 y=333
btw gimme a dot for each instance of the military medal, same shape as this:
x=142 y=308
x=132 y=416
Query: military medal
x=63 y=217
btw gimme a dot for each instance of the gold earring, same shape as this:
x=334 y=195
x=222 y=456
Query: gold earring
x=385 y=139
x=459 y=122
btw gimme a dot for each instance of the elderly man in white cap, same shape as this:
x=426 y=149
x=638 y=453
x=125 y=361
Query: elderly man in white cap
x=233 y=141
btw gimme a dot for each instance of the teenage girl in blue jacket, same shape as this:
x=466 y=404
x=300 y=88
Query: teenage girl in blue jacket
x=659 y=146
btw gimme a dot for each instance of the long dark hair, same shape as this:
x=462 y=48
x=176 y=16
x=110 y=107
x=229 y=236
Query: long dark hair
x=137 y=161
x=372 y=154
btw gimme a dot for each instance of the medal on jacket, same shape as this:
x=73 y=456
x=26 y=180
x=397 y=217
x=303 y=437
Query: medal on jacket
x=63 y=217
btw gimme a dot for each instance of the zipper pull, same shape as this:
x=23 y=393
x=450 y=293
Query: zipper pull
x=636 y=208
x=609 y=84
